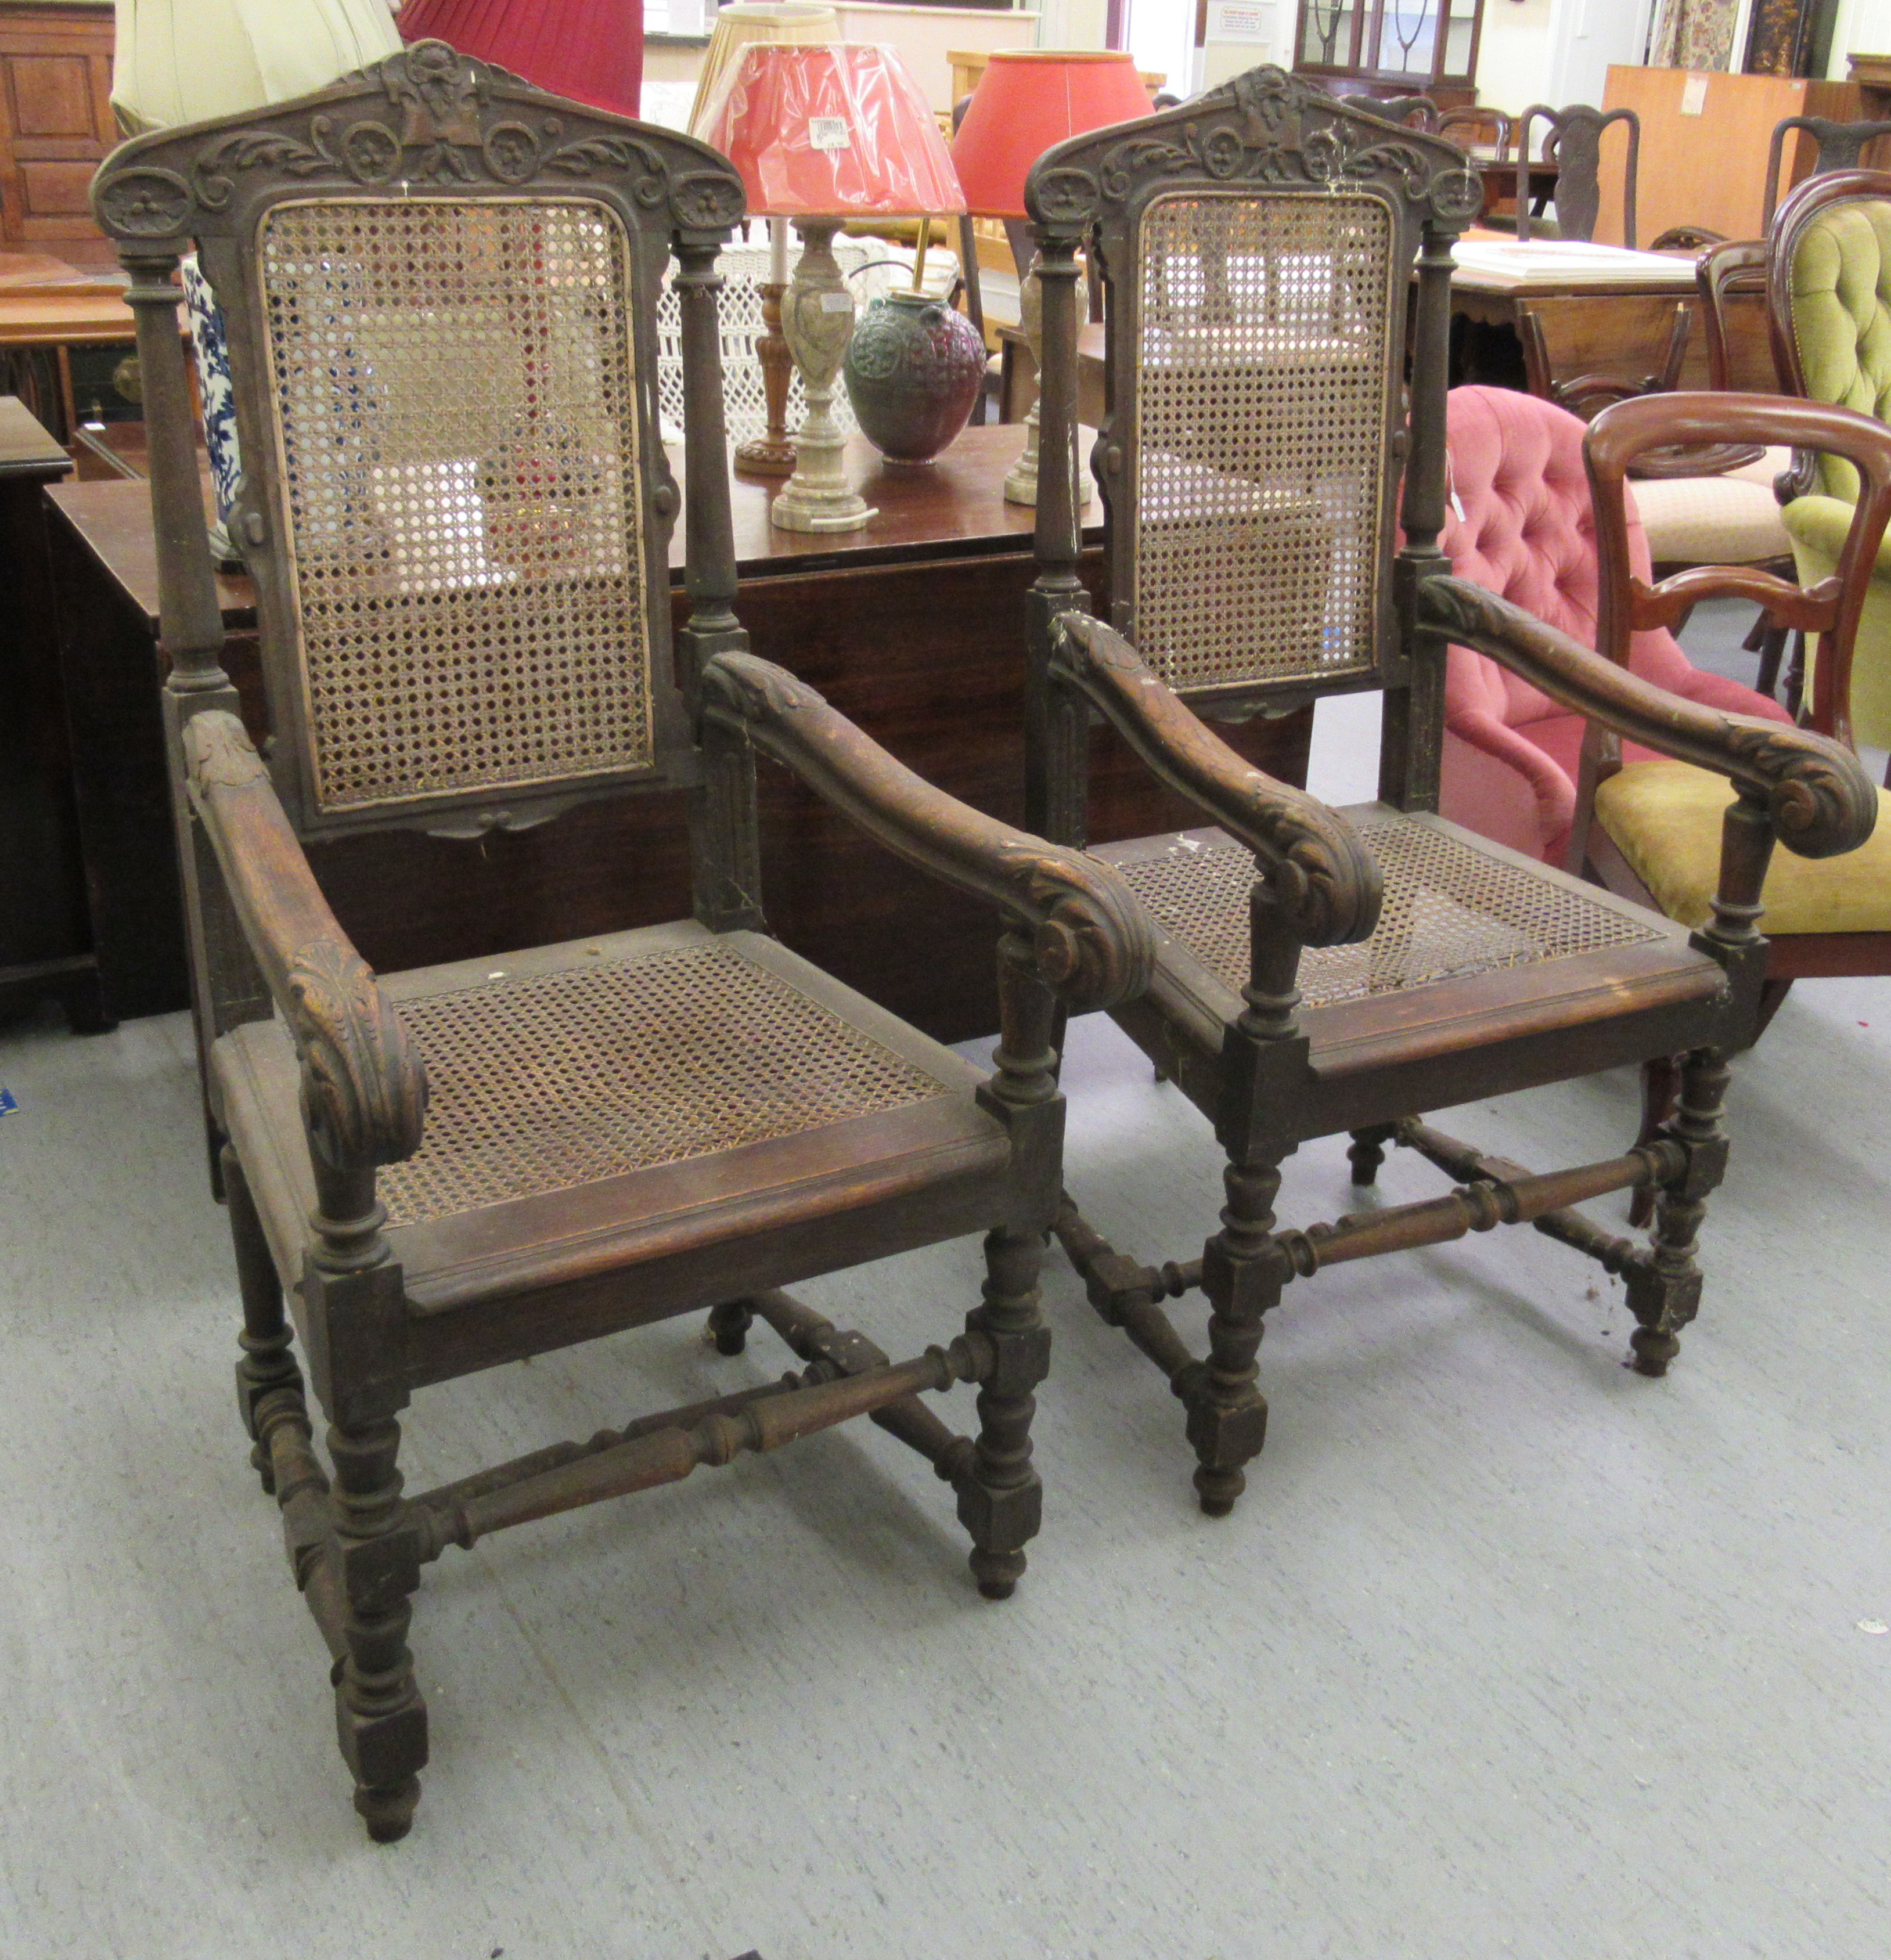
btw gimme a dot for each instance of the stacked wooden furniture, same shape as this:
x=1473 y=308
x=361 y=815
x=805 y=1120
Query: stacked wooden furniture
x=55 y=124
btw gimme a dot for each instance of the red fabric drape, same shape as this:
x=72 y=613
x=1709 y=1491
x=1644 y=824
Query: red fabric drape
x=590 y=50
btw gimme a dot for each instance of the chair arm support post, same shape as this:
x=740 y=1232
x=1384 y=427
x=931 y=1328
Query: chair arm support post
x=1321 y=881
x=1819 y=801
x=364 y=1089
x=1090 y=941
x=1057 y=748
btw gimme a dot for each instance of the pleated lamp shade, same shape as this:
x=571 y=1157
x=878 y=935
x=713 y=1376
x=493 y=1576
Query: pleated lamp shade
x=591 y=51
x=1028 y=99
x=838 y=129
x=185 y=60
x=746 y=21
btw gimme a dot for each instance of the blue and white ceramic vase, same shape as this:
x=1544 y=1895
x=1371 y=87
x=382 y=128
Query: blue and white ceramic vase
x=211 y=349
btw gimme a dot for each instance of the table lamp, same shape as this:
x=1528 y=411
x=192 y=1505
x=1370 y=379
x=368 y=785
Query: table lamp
x=590 y=50
x=737 y=27
x=1026 y=100
x=822 y=133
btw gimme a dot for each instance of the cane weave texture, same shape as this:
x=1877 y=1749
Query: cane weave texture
x=546 y=1081
x=1267 y=327
x=1449 y=911
x=454 y=385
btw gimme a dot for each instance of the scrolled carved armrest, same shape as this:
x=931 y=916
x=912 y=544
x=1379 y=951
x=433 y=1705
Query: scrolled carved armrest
x=1318 y=871
x=1821 y=802
x=364 y=1087
x=1091 y=940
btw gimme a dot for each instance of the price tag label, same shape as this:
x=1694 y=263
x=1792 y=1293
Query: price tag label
x=837 y=302
x=1694 y=95
x=829 y=132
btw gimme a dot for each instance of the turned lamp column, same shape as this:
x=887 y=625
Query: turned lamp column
x=1026 y=101
x=739 y=24
x=817 y=322
x=821 y=133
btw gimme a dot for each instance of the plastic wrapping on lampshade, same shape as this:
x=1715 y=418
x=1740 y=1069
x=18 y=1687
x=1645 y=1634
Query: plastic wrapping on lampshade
x=591 y=51
x=838 y=129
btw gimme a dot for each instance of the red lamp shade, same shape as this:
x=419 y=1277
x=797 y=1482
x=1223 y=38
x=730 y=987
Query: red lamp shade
x=1026 y=100
x=832 y=129
x=589 y=51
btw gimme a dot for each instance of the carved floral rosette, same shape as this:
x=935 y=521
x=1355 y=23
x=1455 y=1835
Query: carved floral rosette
x=1265 y=128
x=428 y=115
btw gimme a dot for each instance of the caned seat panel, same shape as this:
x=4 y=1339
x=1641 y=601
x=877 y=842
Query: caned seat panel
x=453 y=391
x=1258 y=509
x=1451 y=910
x=616 y=1082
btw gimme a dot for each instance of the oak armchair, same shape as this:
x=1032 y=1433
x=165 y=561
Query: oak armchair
x=1323 y=970
x=441 y=288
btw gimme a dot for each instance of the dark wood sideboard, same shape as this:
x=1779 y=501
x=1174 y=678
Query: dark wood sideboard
x=914 y=627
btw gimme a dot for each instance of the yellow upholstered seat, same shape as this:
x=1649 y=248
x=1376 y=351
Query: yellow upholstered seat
x=1665 y=818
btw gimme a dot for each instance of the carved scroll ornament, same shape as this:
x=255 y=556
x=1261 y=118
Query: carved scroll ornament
x=429 y=115
x=1821 y=802
x=1315 y=868
x=1266 y=127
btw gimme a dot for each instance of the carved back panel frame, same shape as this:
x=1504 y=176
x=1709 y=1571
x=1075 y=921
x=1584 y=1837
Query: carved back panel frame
x=1257 y=248
x=440 y=286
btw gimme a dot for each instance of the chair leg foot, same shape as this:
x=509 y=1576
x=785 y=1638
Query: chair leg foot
x=1241 y=1274
x=729 y=1323
x=1664 y=1289
x=1367 y=1152
x=1000 y=1499
x=388 y=1809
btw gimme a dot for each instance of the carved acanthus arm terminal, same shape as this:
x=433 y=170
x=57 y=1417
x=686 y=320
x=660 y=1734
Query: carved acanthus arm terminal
x=1819 y=801
x=1318 y=875
x=363 y=1088
x=1091 y=941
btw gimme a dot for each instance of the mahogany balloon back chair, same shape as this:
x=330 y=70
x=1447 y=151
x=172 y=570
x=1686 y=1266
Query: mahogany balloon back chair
x=441 y=287
x=1321 y=971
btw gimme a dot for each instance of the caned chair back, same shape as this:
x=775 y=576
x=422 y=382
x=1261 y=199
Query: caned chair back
x=1258 y=248
x=1829 y=301
x=440 y=288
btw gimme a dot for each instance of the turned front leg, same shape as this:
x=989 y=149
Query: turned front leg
x=380 y=1719
x=1242 y=1275
x=1664 y=1293
x=1001 y=1499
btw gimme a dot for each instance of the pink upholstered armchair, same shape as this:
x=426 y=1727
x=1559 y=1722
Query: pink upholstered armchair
x=1519 y=523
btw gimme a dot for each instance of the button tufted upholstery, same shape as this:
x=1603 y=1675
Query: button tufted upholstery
x=1520 y=525
x=1842 y=318
x=1840 y=287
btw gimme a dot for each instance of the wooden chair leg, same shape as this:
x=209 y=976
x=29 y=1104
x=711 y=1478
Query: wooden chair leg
x=381 y=1719
x=267 y=1364
x=1795 y=677
x=1001 y=1499
x=1367 y=1152
x=1661 y=1084
x=729 y=1323
x=1241 y=1274
x=1769 y=642
x=1665 y=1294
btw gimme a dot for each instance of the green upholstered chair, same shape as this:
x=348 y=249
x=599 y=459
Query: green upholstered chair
x=1829 y=300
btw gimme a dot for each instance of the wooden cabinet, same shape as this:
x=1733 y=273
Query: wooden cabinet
x=55 y=123
x=1704 y=145
x=1393 y=47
